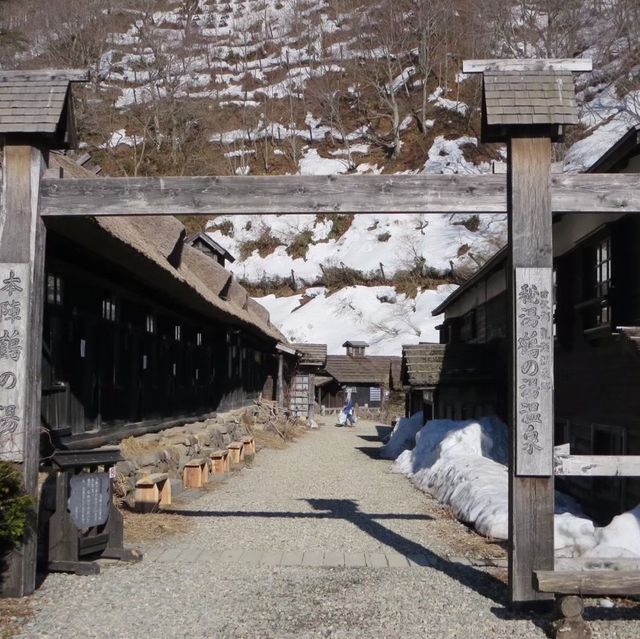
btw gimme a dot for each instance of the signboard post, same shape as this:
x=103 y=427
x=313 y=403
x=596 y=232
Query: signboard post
x=22 y=247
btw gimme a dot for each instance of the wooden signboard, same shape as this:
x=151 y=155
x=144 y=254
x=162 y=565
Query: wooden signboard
x=89 y=499
x=14 y=296
x=534 y=372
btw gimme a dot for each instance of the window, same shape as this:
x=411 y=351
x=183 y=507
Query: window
x=596 y=310
x=177 y=332
x=469 y=329
x=554 y=301
x=603 y=267
x=374 y=394
x=198 y=338
x=150 y=324
x=54 y=289
x=109 y=309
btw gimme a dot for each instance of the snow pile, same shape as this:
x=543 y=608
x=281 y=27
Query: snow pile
x=578 y=537
x=403 y=436
x=376 y=314
x=462 y=463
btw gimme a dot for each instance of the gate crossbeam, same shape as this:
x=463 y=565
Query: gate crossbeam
x=296 y=194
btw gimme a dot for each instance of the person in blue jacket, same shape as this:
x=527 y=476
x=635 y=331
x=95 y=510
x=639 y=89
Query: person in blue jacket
x=348 y=410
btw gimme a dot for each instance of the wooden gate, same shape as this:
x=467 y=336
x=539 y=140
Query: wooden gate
x=526 y=103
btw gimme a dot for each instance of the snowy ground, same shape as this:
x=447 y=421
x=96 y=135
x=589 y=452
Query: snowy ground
x=463 y=464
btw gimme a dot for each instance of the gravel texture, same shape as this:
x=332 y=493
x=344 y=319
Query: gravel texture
x=259 y=562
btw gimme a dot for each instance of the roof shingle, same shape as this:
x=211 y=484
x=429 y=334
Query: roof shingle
x=533 y=97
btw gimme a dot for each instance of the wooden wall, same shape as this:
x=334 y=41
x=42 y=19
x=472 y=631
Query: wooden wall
x=118 y=358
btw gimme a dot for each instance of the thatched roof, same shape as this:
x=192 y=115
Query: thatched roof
x=425 y=365
x=374 y=369
x=152 y=249
x=312 y=354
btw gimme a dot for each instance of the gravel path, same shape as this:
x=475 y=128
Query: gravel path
x=317 y=540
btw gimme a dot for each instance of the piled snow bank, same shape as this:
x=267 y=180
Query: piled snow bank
x=578 y=537
x=403 y=436
x=462 y=463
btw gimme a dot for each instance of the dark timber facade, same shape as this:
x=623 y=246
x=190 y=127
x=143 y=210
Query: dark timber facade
x=597 y=335
x=134 y=337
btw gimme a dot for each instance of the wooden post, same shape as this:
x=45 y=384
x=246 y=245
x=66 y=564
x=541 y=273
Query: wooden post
x=22 y=248
x=280 y=380
x=531 y=489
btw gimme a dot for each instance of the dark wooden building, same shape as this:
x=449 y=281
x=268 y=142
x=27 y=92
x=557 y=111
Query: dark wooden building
x=142 y=330
x=367 y=379
x=454 y=381
x=596 y=332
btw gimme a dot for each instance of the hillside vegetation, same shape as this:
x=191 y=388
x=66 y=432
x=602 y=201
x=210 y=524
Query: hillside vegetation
x=251 y=87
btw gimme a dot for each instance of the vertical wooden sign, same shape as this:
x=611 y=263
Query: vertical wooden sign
x=531 y=494
x=533 y=372
x=14 y=306
x=22 y=247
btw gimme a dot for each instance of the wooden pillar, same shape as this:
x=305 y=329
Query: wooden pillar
x=280 y=380
x=531 y=489
x=22 y=248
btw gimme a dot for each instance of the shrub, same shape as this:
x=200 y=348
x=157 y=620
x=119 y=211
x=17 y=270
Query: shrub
x=340 y=223
x=470 y=223
x=265 y=244
x=300 y=244
x=16 y=508
x=383 y=237
x=226 y=228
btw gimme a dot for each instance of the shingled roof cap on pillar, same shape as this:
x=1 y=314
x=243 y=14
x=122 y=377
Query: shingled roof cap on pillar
x=535 y=95
x=38 y=103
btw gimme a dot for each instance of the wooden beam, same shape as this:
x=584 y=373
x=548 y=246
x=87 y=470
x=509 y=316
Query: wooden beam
x=545 y=64
x=531 y=491
x=596 y=193
x=597 y=465
x=424 y=193
x=597 y=582
x=68 y=75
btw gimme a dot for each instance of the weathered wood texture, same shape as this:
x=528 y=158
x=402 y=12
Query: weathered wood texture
x=22 y=241
x=597 y=582
x=531 y=501
x=68 y=75
x=597 y=465
x=596 y=193
x=296 y=194
x=529 y=64
x=534 y=371
x=275 y=194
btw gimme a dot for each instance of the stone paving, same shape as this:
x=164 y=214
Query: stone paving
x=316 y=540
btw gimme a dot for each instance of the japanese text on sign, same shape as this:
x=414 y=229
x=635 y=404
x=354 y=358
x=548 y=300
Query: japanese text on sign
x=14 y=289
x=534 y=371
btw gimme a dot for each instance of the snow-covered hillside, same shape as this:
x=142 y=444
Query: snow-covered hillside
x=250 y=87
x=307 y=243
x=376 y=314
